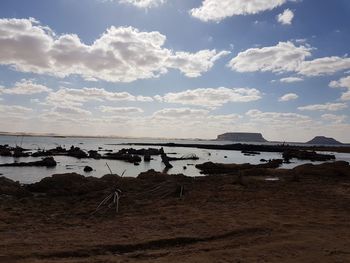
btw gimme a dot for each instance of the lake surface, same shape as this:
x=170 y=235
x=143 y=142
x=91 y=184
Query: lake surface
x=70 y=164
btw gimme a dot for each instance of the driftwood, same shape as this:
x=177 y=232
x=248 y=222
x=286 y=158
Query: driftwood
x=165 y=159
x=112 y=200
x=185 y=157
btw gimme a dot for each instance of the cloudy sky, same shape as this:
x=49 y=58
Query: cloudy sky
x=176 y=68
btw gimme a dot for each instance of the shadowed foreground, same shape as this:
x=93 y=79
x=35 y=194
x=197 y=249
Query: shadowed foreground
x=237 y=217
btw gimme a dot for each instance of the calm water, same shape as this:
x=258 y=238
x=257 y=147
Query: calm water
x=69 y=164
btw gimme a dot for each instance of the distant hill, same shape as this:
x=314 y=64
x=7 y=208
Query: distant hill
x=322 y=140
x=241 y=137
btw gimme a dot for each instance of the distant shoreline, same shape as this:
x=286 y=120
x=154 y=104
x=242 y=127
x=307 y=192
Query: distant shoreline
x=149 y=138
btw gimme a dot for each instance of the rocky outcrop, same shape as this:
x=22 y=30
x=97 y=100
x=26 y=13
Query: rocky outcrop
x=241 y=137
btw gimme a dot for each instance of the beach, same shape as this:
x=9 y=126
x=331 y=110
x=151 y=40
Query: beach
x=239 y=217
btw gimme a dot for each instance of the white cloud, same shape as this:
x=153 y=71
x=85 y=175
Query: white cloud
x=286 y=17
x=211 y=97
x=120 y=110
x=291 y=79
x=345 y=96
x=287 y=57
x=334 y=118
x=324 y=107
x=324 y=66
x=214 y=10
x=283 y=57
x=342 y=83
x=76 y=97
x=192 y=65
x=120 y=54
x=25 y=87
x=143 y=3
x=288 y=97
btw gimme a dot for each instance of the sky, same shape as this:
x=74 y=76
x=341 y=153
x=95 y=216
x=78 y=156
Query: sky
x=176 y=68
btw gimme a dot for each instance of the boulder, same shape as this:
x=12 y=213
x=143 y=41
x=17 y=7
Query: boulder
x=88 y=169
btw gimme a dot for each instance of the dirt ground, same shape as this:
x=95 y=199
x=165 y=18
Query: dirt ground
x=303 y=217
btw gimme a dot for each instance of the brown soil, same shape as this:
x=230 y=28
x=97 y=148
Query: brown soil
x=303 y=217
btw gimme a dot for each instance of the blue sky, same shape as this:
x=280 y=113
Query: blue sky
x=181 y=68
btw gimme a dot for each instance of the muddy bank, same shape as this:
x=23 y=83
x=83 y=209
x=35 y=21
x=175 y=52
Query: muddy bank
x=218 y=218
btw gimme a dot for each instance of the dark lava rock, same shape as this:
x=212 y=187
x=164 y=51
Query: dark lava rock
x=88 y=169
x=94 y=155
x=41 y=153
x=46 y=162
x=220 y=168
x=5 y=152
x=307 y=155
x=123 y=157
x=19 y=152
x=149 y=151
x=147 y=157
x=248 y=153
x=77 y=153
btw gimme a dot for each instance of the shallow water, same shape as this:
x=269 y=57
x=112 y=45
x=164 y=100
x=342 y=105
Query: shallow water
x=69 y=164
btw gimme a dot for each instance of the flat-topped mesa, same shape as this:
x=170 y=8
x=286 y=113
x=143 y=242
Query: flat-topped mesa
x=241 y=137
x=322 y=140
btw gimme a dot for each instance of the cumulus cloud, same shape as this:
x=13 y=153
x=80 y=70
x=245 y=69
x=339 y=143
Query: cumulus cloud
x=286 y=17
x=345 y=96
x=324 y=66
x=214 y=10
x=25 y=87
x=342 y=83
x=324 y=107
x=287 y=57
x=211 y=97
x=76 y=97
x=120 y=110
x=120 y=54
x=143 y=3
x=291 y=80
x=283 y=57
x=288 y=97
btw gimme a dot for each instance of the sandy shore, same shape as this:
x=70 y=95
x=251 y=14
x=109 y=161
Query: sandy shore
x=303 y=217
